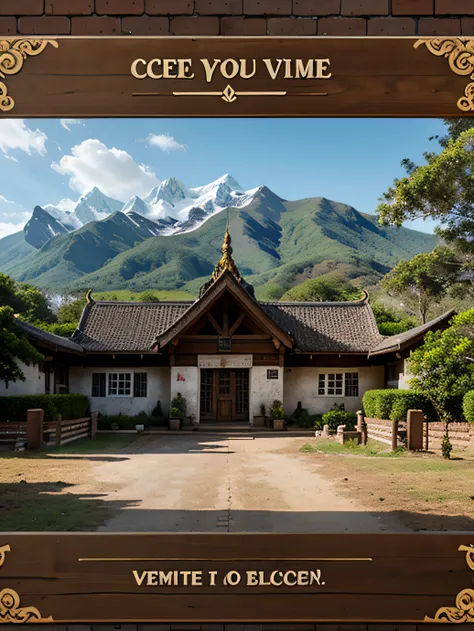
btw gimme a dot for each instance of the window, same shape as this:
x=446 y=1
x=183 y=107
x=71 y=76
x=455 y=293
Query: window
x=338 y=384
x=225 y=344
x=120 y=384
x=140 y=384
x=98 y=384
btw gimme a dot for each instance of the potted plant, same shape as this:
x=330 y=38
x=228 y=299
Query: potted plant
x=278 y=415
x=178 y=412
x=259 y=421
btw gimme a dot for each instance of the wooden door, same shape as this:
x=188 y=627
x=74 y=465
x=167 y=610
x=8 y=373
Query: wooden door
x=224 y=395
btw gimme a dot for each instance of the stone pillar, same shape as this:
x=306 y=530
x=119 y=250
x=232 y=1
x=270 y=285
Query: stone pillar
x=415 y=420
x=34 y=429
x=185 y=379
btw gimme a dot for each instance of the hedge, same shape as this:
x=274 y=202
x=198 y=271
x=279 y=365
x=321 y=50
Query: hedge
x=468 y=406
x=69 y=406
x=394 y=404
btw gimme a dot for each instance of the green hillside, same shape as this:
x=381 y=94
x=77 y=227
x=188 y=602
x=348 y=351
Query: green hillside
x=277 y=245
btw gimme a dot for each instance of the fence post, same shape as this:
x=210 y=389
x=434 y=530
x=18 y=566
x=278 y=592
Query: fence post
x=427 y=436
x=34 y=429
x=93 y=423
x=415 y=430
x=394 y=435
x=58 y=432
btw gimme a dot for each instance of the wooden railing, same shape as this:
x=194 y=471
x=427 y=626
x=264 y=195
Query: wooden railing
x=58 y=433
x=36 y=433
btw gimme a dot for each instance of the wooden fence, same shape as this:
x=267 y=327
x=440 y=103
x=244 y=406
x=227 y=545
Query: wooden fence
x=13 y=435
x=389 y=432
x=36 y=433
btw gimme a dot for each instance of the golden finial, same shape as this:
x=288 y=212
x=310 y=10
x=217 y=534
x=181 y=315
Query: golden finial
x=89 y=299
x=226 y=262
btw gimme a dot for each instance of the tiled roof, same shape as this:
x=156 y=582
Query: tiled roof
x=126 y=326
x=395 y=342
x=38 y=335
x=327 y=327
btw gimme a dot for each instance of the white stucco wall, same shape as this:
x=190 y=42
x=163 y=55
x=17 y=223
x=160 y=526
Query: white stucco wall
x=158 y=388
x=404 y=377
x=185 y=379
x=34 y=383
x=263 y=390
x=301 y=384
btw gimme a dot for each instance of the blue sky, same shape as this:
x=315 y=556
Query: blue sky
x=353 y=161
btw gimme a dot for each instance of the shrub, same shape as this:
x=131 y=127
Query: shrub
x=468 y=406
x=446 y=447
x=301 y=417
x=157 y=411
x=126 y=422
x=394 y=404
x=318 y=422
x=68 y=406
x=178 y=406
x=277 y=410
x=334 y=418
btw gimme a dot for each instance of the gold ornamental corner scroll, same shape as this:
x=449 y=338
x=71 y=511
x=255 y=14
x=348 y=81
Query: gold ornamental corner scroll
x=10 y=610
x=463 y=611
x=459 y=51
x=13 y=53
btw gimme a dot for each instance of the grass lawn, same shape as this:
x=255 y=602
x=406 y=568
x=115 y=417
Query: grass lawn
x=423 y=490
x=53 y=490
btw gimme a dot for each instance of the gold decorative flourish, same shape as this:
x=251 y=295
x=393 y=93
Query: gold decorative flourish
x=229 y=95
x=459 y=51
x=10 y=610
x=226 y=262
x=463 y=611
x=3 y=554
x=13 y=53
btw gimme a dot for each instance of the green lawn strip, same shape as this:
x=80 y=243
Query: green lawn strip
x=373 y=448
x=101 y=444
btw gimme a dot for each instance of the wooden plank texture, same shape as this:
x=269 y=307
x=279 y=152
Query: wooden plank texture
x=369 y=77
x=88 y=578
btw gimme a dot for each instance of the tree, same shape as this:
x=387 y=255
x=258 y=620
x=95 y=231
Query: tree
x=442 y=189
x=441 y=368
x=390 y=321
x=425 y=279
x=24 y=299
x=14 y=346
x=71 y=312
x=326 y=288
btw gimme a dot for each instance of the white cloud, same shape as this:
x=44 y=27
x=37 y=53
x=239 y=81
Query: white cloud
x=12 y=217
x=66 y=204
x=67 y=123
x=12 y=158
x=165 y=142
x=114 y=171
x=15 y=134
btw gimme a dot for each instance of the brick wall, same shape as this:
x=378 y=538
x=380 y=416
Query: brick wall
x=237 y=17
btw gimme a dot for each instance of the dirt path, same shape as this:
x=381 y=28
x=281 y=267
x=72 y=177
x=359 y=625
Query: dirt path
x=221 y=484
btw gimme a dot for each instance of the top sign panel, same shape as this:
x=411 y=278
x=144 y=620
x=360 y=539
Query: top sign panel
x=121 y=77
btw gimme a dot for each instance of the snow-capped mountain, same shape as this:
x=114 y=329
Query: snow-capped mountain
x=169 y=208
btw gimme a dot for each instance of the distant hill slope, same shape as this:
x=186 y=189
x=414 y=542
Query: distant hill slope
x=277 y=244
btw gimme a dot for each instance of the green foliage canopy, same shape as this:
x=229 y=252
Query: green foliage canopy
x=442 y=189
x=326 y=288
x=442 y=367
x=425 y=279
x=14 y=346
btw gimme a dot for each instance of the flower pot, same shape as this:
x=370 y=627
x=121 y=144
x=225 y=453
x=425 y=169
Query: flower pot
x=175 y=424
x=279 y=424
x=259 y=421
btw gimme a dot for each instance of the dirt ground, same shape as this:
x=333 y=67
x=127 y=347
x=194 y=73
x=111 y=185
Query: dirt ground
x=232 y=484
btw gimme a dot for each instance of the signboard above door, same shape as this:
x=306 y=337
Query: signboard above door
x=224 y=361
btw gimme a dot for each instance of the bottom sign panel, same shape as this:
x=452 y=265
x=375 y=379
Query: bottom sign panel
x=93 y=578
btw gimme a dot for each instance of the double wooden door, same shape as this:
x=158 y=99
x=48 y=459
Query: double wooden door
x=225 y=394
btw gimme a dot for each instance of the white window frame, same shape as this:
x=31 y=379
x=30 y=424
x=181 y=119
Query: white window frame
x=120 y=372
x=336 y=373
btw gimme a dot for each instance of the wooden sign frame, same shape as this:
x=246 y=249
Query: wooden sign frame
x=199 y=578
x=254 y=76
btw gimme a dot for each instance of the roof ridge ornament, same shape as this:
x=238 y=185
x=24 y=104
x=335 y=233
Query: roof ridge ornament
x=226 y=262
x=89 y=299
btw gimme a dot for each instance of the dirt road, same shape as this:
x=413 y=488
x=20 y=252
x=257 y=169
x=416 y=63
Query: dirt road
x=222 y=484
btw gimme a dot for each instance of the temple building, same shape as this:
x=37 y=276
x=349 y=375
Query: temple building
x=226 y=353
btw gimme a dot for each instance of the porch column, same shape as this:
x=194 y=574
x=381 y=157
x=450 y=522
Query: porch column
x=266 y=386
x=185 y=379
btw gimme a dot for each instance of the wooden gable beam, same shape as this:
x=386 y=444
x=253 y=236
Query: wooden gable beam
x=237 y=323
x=215 y=324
